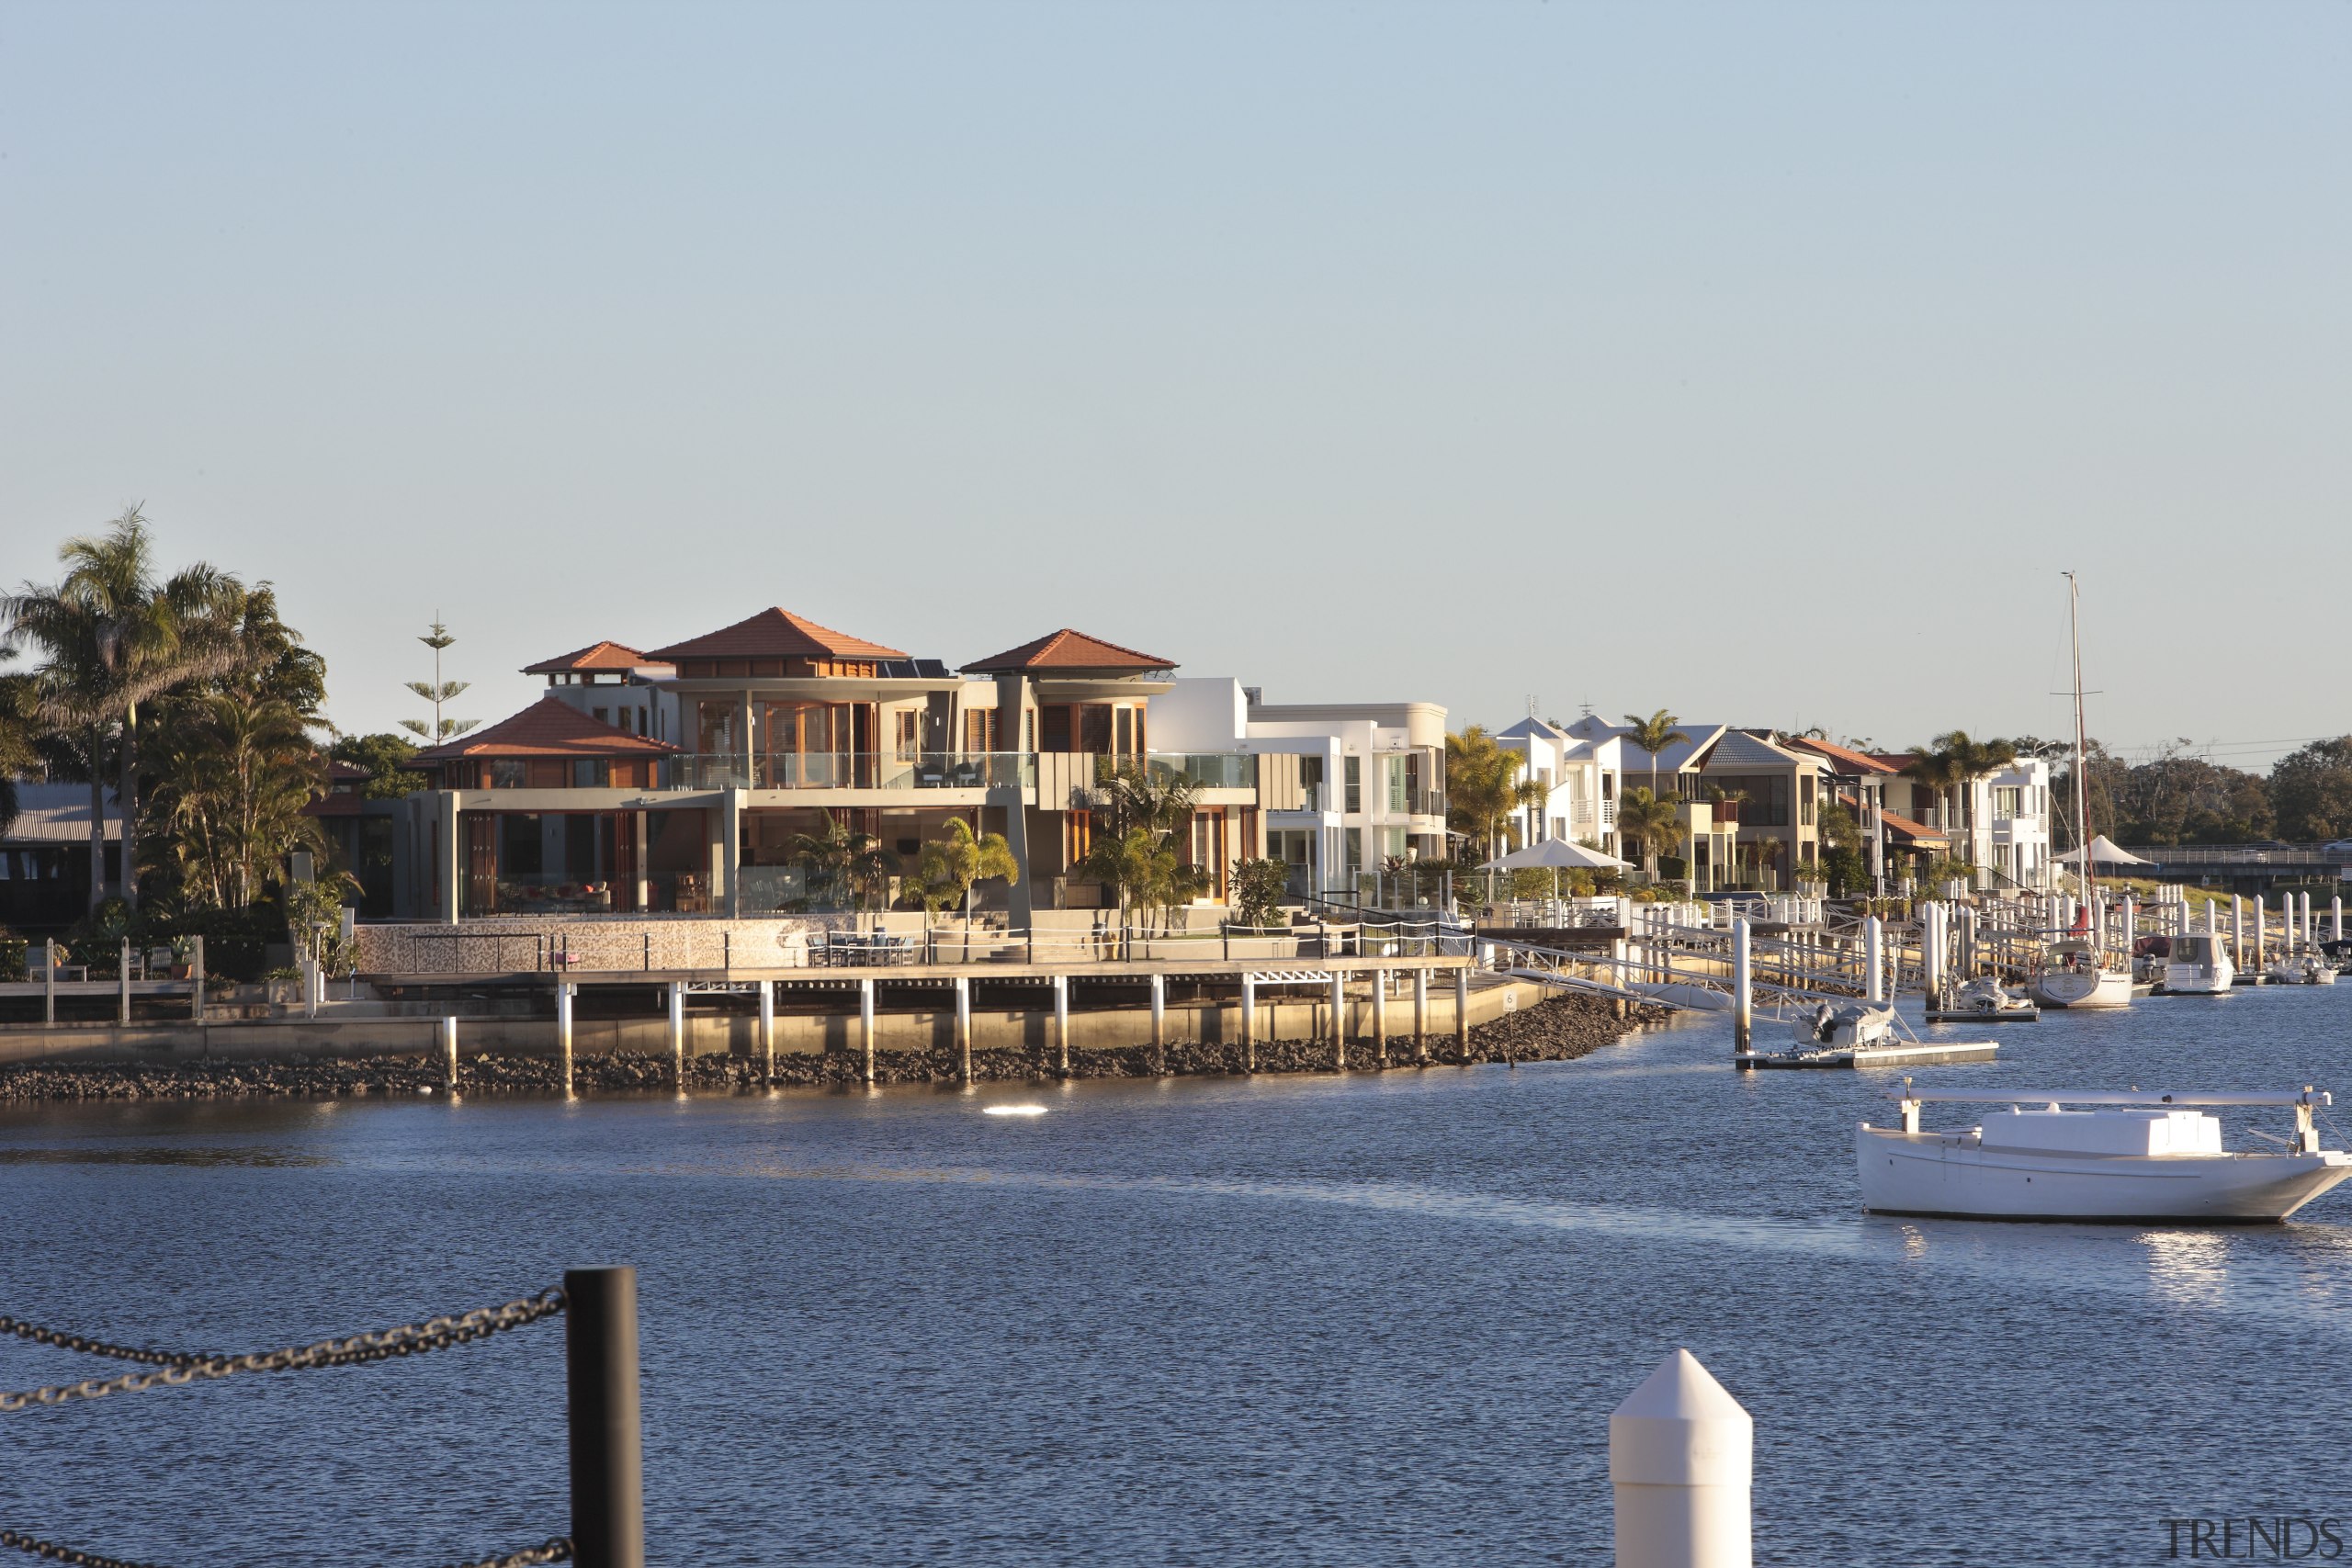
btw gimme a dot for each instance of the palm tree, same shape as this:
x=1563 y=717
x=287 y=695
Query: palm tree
x=948 y=866
x=115 y=639
x=1653 y=825
x=1653 y=735
x=1483 y=786
x=237 y=773
x=1941 y=770
x=843 y=857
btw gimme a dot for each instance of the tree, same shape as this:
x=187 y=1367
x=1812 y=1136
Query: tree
x=949 y=865
x=2311 y=791
x=115 y=640
x=384 y=755
x=1841 y=851
x=1258 y=887
x=438 y=692
x=20 y=727
x=1483 y=786
x=845 y=860
x=1653 y=735
x=237 y=773
x=1649 y=824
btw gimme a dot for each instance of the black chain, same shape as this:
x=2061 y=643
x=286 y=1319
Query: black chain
x=409 y=1339
x=555 y=1549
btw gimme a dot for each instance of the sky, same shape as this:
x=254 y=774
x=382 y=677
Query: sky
x=1766 y=363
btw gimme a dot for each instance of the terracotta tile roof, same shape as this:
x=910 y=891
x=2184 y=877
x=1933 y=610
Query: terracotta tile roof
x=1903 y=828
x=775 y=634
x=339 y=769
x=1845 y=757
x=549 y=727
x=1068 y=649
x=607 y=655
x=335 y=805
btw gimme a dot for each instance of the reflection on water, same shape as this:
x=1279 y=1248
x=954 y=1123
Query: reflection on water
x=1376 y=1319
x=2188 y=1267
x=161 y=1154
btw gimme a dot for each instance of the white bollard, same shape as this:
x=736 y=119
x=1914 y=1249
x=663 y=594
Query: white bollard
x=564 y=1029
x=678 y=1032
x=1874 y=959
x=1681 y=1461
x=767 y=1033
x=1743 y=1013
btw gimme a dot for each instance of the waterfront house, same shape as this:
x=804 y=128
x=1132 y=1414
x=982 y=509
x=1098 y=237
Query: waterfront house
x=695 y=777
x=45 y=857
x=1764 y=797
x=1999 y=822
x=1346 y=787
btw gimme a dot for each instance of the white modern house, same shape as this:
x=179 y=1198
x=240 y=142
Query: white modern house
x=1999 y=823
x=1581 y=778
x=1371 y=775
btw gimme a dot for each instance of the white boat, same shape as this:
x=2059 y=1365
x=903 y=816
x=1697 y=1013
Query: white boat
x=2078 y=974
x=2200 y=965
x=1837 y=1025
x=2302 y=969
x=1988 y=996
x=2130 y=1157
x=2078 y=978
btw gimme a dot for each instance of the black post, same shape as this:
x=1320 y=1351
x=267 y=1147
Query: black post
x=600 y=1380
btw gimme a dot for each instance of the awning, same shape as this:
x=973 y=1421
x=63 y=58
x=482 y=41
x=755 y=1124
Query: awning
x=1557 y=854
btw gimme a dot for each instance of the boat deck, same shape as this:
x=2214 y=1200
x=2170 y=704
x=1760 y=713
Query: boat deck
x=1910 y=1055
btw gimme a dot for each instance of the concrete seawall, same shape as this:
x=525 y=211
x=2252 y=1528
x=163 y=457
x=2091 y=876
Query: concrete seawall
x=737 y=1034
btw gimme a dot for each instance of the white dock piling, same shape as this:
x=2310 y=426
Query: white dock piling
x=1421 y=1014
x=1681 y=1461
x=1874 y=958
x=767 y=1033
x=1249 y=1023
x=49 y=980
x=678 y=1030
x=1061 y=1023
x=563 y=1030
x=865 y=1024
x=1340 y=1020
x=1462 y=1012
x=1380 y=1014
x=122 y=984
x=1159 y=1022
x=1743 y=998
x=450 y=1052
x=2261 y=919
x=963 y=1026
x=2238 y=931
x=2336 y=918
x=1931 y=948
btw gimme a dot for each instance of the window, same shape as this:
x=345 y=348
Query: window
x=601 y=715
x=1123 y=732
x=980 y=731
x=1352 y=842
x=507 y=773
x=1394 y=768
x=1805 y=800
x=1310 y=780
x=591 y=773
x=1055 y=730
x=2005 y=804
x=715 y=729
x=1352 y=783
x=1095 y=728
x=908 y=722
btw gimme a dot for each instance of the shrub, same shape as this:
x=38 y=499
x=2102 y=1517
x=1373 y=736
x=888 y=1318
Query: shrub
x=1257 y=889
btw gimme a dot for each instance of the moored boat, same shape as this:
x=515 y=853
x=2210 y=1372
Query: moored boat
x=2199 y=966
x=1843 y=1024
x=2078 y=978
x=2302 y=969
x=2122 y=1156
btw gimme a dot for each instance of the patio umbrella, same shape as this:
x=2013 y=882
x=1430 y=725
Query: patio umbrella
x=2104 y=852
x=1555 y=854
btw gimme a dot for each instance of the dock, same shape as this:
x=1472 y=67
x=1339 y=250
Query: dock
x=1912 y=1054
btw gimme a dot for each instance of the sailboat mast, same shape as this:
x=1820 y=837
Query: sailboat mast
x=2082 y=797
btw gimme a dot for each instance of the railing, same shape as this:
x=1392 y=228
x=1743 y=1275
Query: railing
x=863 y=771
x=601 y=1397
x=1204 y=770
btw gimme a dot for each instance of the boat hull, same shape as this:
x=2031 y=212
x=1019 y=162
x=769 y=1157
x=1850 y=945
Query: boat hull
x=1949 y=1173
x=2199 y=980
x=2082 y=989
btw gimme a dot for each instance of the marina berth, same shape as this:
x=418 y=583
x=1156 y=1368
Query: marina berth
x=2117 y=1157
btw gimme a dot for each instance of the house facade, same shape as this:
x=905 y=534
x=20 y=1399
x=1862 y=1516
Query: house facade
x=695 y=778
x=1762 y=800
x=1347 y=787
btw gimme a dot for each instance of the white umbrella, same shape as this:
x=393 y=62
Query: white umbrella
x=2104 y=852
x=1557 y=854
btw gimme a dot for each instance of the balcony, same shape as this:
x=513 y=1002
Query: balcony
x=857 y=770
x=1205 y=770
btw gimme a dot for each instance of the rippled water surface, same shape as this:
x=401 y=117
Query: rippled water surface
x=1379 y=1319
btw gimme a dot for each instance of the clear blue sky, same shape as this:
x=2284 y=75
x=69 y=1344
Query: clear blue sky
x=1761 y=361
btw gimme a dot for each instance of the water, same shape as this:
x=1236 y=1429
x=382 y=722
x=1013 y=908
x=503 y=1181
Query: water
x=1291 y=1321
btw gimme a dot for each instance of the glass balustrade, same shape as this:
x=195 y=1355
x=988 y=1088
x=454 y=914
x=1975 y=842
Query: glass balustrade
x=858 y=771
x=1205 y=770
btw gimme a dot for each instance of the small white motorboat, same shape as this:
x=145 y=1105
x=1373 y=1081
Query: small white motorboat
x=2077 y=978
x=1837 y=1025
x=1988 y=996
x=2130 y=1156
x=2199 y=966
x=2302 y=969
